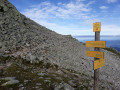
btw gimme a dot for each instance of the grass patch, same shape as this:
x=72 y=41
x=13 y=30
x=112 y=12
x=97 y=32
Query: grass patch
x=113 y=51
x=30 y=77
x=4 y=59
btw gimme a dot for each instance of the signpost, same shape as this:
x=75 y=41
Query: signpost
x=99 y=63
x=97 y=27
x=101 y=44
x=99 y=60
x=95 y=54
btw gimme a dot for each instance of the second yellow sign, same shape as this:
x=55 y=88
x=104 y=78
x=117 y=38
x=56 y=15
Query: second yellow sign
x=95 y=54
x=101 y=44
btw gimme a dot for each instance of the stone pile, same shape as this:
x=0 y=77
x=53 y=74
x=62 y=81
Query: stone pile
x=23 y=37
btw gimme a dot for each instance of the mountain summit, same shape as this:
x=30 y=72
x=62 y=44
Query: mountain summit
x=23 y=37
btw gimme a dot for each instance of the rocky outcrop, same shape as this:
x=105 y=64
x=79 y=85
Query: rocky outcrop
x=21 y=36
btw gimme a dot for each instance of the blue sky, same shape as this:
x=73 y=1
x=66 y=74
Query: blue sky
x=75 y=17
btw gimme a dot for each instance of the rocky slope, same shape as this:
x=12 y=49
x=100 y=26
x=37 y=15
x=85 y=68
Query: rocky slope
x=18 y=74
x=20 y=36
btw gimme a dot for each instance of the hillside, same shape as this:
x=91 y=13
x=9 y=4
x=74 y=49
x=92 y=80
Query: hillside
x=18 y=74
x=20 y=36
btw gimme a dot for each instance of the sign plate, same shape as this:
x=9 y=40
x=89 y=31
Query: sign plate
x=97 y=27
x=101 y=44
x=95 y=54
x=99 y=63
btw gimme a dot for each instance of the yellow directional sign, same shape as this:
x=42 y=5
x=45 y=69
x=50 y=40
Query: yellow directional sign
x=101 y=44
x=97 y=27
x=95 y=54
x=99 y=63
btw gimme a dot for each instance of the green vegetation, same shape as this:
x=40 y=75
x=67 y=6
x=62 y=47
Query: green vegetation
x=113 y=51
x=41 y=75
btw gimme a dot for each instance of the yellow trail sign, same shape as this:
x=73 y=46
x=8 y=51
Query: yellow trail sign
x=101 y=44
x=97 y=27
x=95 y=54
x=99 y=63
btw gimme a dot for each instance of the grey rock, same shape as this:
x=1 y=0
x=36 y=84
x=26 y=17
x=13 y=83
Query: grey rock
x=38 y=84
x=11 y=80
x=36 y=41
x=41 y=74
x=64 y=85
x=25 y=81
x=47 y=81
x=8 y=78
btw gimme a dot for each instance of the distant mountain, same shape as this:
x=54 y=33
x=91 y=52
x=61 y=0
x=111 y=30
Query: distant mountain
x=117 y=48
x=94 y=35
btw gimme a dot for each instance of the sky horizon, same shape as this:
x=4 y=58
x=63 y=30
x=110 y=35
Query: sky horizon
x=75 y=17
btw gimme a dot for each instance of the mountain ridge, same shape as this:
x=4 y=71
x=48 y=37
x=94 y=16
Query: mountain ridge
x=23 y=37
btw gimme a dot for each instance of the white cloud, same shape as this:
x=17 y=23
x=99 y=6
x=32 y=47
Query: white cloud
x=111 y=1
x=65 y=29
x=118 y=6
x=61 y=10
x=91 y=21
x=110 y=29
x=73 y=10
x=44 y=11
x=103 y=7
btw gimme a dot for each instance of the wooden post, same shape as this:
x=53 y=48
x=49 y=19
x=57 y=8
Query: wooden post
x=96 y=72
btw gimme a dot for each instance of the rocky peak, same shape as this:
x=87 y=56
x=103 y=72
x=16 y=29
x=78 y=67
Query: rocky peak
x=23 y=37
x=3 y=7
